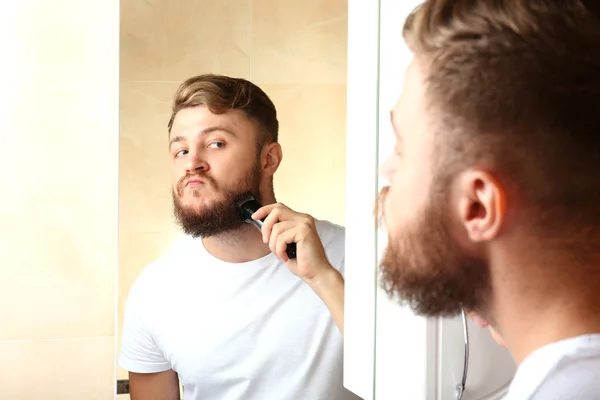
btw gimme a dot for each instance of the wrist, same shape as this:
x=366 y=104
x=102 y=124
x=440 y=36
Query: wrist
x=325 y=280
x=329 y=286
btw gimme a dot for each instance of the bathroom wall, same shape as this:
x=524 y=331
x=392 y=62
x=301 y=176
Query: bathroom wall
x=58 y=209
x=296 y=51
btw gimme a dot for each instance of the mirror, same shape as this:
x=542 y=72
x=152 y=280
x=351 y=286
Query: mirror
x=294 y=51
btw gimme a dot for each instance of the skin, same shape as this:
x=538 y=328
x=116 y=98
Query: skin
x=536 y=297
x=222 y=146
x=225 y=152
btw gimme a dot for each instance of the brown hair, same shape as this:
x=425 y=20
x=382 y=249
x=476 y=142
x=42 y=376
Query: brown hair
x=515 y=85
x=222 y=93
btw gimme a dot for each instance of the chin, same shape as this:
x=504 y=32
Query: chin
x=194 y=203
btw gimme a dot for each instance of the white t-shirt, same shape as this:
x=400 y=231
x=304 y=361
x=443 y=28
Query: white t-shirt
x=247 y=331
x=568 y=369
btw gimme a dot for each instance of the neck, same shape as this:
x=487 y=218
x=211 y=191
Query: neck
x=242 y=245
x=239 y=246
x=536 y=304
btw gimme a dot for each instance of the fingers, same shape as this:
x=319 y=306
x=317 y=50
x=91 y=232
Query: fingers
x=283 y=226
x=275 y=213
x=265 y=210
x=282 y=234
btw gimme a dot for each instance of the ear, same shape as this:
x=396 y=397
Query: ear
x=271 y=158
x=482 y=205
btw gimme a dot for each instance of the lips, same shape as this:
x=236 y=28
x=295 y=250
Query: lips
x=194 y=182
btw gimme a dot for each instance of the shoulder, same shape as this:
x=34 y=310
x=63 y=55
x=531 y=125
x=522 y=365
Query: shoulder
x=564 y=369
x=334 y=242
x=330 y=233
x=158 y=275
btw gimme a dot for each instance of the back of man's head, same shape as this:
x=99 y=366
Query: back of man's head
x=516 y=84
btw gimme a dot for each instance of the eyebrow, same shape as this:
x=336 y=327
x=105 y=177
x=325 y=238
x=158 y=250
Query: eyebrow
x=205 y=131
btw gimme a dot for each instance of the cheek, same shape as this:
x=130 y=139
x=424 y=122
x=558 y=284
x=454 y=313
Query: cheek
x=175 y=176
x=405 y=200
x=224 y=178
x=227 y=166
x=401 y=196
x=177 y=173
x=394 y=200
x=393 y=209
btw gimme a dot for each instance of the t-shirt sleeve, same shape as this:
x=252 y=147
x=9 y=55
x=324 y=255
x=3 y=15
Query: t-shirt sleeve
x=335 y=247
x=139 y=350
x=341 y=261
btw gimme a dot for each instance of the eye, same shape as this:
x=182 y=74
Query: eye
x=217 y=145
x=181 y=153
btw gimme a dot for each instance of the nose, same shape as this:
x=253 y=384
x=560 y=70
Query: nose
x=195 y=163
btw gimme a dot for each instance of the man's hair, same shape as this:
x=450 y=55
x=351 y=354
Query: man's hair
x=515 y=87
x=221 y=94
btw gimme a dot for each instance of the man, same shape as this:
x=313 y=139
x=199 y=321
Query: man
x=494 y=202
x=221 y=314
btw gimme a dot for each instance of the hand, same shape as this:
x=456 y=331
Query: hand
x=283 y=226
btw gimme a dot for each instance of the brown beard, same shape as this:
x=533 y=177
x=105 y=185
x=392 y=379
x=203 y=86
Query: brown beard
x=426 y=269
x=221 y=216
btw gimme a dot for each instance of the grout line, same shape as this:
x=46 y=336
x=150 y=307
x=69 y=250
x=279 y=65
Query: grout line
x=57 y=340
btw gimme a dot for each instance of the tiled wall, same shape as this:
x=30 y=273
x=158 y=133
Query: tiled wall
x=294 y=50
x=58 y=203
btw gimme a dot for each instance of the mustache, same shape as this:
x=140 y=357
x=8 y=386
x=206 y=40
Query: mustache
x=186 y=178
x=378 y=210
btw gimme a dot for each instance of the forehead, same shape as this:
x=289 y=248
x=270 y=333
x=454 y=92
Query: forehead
x=409 y=112
x=197 y=119
x=410 y=103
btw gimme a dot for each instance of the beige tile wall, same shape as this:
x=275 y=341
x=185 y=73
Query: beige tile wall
x=294 y=50
x=58 y=209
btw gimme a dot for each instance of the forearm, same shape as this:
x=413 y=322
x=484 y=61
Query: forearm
x=329 y=286
x=159 y=386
